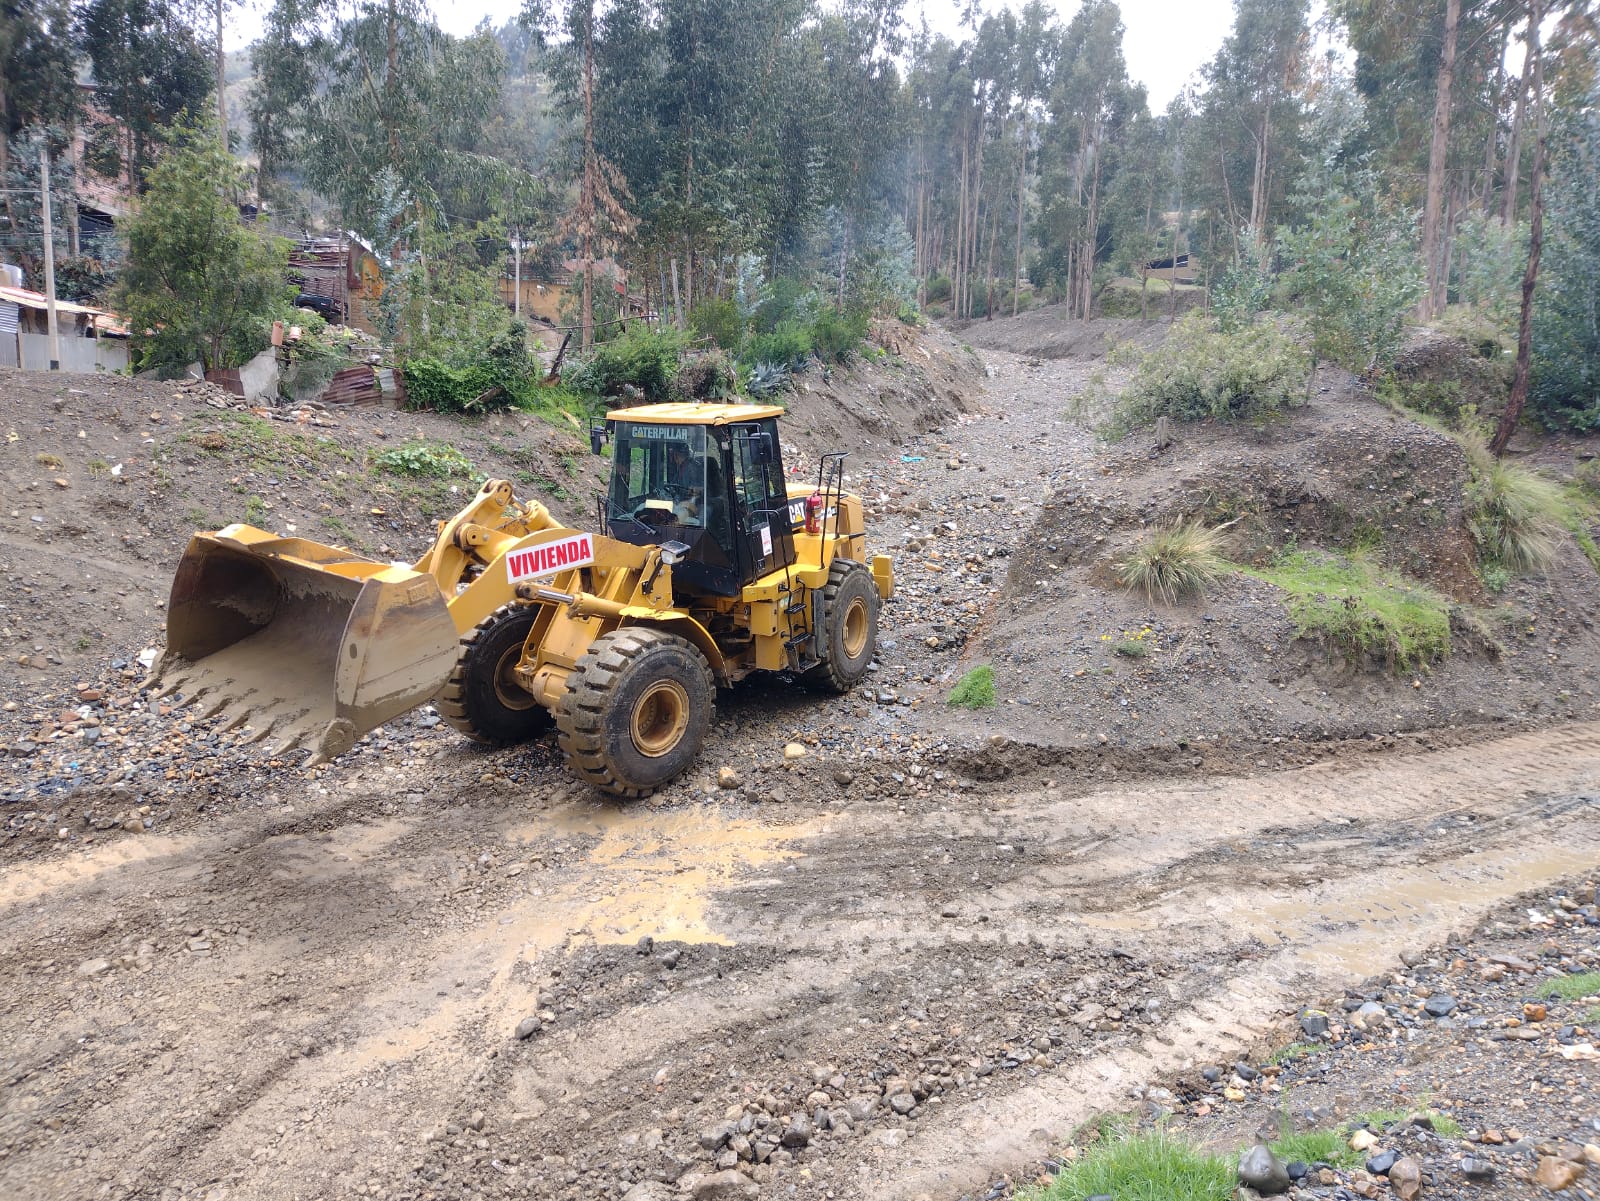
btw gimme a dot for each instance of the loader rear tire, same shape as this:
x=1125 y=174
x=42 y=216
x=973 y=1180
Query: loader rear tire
x=481 y=698
x=846 y=615
x=636 y=710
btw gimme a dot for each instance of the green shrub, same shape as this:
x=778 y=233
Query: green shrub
x=834 y=335
x=641 y=358
x=1361 y=610
x=1515 y=517
x=975 y=690
x=1172 y=565
x=705 y=375
x=785 y=299
x=789 y=345
x=938 y=289
x=1201 y=371
x=719 y=321
x=431 y=384
x=436 y=459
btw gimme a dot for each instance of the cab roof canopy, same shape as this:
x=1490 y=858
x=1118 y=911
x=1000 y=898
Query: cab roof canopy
x=694 y=414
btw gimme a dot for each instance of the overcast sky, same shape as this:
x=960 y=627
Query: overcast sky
x=1166 y=41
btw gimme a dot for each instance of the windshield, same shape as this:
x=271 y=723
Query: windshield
x=658 y=474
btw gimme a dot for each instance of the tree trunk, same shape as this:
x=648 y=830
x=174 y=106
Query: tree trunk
x=1258 y=180
x=1022 y=191
x=588 y=203
x=1433 y=210
x=222 y=102
x=1530 y=276
x=1508 y=210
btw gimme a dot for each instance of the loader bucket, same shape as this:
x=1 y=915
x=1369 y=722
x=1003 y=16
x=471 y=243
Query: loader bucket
x=311 y=644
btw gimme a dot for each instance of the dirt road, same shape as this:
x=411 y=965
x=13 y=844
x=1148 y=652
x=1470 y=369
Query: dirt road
x=427 y=972
x=323 y=1001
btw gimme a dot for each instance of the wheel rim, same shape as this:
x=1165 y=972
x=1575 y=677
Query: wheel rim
x=506 y=689
x=857 y=626
x=660 y=717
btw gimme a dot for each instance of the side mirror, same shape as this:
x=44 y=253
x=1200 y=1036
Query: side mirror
x=761 y=449
x=597 y=438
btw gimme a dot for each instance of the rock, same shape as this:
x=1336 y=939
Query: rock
x=728 y=1185
x=902 y=1103
x=1369 y=1016
x=1314 y=1023
x=1533 y=1012
x=93 y=967
x=797 y=1133
x=1479 y=1171
x=1405 y=1178
x=1557 y=1174
x=1439 y=1005
x=794 y=750
x=727 y=778
x=713 y=1137
x=1380 y=1163
x=1363 y=1140
x=527 y=1027
x=1591 y=1152
x=649 y=1190
x=1261 y=1170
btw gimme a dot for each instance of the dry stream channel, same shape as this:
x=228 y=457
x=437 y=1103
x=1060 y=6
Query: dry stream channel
x=323 y=997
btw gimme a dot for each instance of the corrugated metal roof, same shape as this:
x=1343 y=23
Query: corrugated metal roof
x=353 y=385
x=38 y=300
x=8 y=317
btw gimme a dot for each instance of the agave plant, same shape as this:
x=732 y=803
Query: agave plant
x=767 y=378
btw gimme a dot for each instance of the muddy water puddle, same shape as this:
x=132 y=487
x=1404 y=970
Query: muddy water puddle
x=653 y=873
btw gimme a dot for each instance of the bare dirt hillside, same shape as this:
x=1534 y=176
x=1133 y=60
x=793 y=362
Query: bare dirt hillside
x=907 y=964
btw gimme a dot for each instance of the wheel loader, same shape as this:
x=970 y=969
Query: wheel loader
x=707 y=565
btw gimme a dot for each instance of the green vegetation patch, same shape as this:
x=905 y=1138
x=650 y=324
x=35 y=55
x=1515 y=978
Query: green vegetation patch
x=1200 y=371
x=1317 y=1146
x=256 y=442
x=1573 y=988
x=1360 y=609
x=975 y=690
x=436 y=459
x=1146 y=1167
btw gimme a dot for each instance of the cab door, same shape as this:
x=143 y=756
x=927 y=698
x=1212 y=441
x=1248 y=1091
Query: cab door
x=762 y=532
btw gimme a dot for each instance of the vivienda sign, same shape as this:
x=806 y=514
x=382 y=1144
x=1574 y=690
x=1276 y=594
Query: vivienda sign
x=550 y=557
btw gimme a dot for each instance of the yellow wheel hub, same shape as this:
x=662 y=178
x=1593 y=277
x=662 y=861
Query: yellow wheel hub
x=856 y=627
x=506 y=689
x=660 y=716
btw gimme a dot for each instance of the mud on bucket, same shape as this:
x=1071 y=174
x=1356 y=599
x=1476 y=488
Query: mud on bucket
x=312 y=644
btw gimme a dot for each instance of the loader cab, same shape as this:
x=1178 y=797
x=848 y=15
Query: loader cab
x=709 y=477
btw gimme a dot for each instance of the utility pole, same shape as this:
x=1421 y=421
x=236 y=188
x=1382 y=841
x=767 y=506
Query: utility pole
x=51 y=326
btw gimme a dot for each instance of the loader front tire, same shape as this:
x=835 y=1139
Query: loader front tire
x=846 y=615
x=636 y=710
x=482 y=698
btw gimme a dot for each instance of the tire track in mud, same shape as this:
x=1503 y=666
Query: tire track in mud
x=858 y=942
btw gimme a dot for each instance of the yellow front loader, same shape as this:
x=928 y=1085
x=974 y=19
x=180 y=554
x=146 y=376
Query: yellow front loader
x=709 y=566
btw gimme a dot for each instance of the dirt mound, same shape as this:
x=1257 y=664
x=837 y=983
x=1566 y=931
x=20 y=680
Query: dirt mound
x=1449 y=374
x=1340 y=473
x=1052 y=333
x=1083 y=662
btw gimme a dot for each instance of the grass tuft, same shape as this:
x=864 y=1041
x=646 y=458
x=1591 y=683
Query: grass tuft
x=1573 y=988
x=1147 y=1167
x=1173 y=565
x=975 y=690
x=1361 y=609
x=1515 y=517
x=1293 y=1052
x=1316 y=1146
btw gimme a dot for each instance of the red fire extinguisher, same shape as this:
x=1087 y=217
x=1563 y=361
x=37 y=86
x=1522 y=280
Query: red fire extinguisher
x=814 y=513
